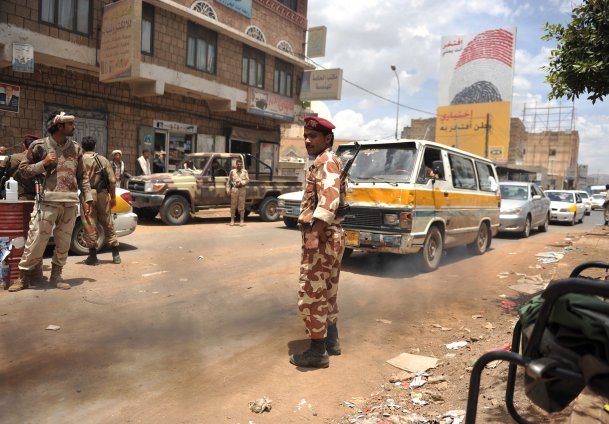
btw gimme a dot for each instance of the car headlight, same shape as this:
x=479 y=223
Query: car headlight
x=150 y=187
x=391 y=220
x=514 y=211
x=281 y=203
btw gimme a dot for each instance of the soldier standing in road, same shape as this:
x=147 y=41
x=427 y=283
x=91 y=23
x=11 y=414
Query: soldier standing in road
x=103 y=190
x=323 y=245
x=58 y=162
x=235 y=186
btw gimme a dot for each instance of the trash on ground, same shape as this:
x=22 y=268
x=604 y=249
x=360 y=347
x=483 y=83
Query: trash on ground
x=436 y=379
x=418 y=381
x=53 y=327
x=489 y=326
x=349 y=404
x=383 y=321
x=493 y=364
x=401 y=376
x=506 y=347
x=417 y=398
x=477 y=316
x=150 y=274
x=413 y=363
x=261 y=405
x=508 y=305
x=457 y=345
x=200 y=257
x=528 y=288
x=441 y=327
x=549 y=257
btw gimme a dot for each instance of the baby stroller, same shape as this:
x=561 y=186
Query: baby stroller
x=564 y=335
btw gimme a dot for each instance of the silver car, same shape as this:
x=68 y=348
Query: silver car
x=523 y=206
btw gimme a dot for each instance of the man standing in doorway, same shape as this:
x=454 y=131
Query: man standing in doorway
x=142 y=166
x=103 y=190
x=58 y=162
x=323 y=245
x=158 y=165
x=235 y=186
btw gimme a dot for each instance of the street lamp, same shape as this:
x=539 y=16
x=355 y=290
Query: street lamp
x=397 y=113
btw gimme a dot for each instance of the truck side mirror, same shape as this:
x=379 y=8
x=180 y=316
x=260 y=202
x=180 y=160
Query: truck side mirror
x=438 y=168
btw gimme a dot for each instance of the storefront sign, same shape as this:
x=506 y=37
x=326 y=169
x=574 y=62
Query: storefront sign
x=269 y=104
x=9 y=97
x=119 y=52
x=175 y=127
x=241 y=6
x=316 y=41
x=322 y=85
x=23 y=57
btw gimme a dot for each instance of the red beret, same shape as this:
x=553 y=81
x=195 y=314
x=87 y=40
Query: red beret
x=318 y=124
x=34 y=136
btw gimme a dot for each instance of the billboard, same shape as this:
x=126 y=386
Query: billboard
x=271 y=105
x=476 y=78
x=316 y=41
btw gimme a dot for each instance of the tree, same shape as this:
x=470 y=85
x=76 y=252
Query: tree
x=580 y=62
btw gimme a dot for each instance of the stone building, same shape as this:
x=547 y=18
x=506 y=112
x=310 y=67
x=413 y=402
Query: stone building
x=420 y=129
x=557 y=151
x=175 y=75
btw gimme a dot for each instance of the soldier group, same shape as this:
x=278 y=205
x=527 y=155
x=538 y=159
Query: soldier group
x=61 y=167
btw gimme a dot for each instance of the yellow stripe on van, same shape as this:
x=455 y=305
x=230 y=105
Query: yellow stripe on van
x=422 y=197
x=381 y=196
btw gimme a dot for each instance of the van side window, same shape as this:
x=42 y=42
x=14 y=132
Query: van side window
x=426 y=172
x=486 y=177
x=462 y=170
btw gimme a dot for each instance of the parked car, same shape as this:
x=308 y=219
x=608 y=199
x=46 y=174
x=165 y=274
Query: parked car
x=288 y=205
x=566 y=206
x=598 y=200
x=587 y=201
x=523 y=206
x=125 y=222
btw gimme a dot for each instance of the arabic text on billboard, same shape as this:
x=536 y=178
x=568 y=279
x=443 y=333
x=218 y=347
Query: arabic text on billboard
x=316 y=41
x=271 y=105
x=241 y=6
x=322 y=85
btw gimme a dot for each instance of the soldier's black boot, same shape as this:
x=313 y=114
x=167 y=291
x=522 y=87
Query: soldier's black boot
x=92 y=258
x=314 y=357
x=116 y=257
x=332 y=342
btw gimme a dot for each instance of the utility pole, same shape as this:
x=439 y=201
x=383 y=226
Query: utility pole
x=487 y=128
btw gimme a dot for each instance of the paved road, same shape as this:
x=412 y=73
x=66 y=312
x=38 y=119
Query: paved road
x=199 y=320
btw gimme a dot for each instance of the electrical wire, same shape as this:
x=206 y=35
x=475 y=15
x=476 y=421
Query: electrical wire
x=373 y=93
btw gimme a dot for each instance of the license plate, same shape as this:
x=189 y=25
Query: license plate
x=351 y=238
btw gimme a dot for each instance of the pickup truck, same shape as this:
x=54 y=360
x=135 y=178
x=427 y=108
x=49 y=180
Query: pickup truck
x=199 y=183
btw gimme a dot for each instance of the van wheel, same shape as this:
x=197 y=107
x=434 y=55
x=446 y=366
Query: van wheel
x=175 y=210
x=544 y=227
x=268 y=209
x=527 y=228
x=431 y=254
x=347 y=253
x=483 y=240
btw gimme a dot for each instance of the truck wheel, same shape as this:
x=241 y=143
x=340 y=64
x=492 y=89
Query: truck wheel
x=483 y=240
x=432 y=250
x=175 y=210
x=78 y=245
x=290 y=222
x=146 y=214
x=348 y=252
x=268 y=209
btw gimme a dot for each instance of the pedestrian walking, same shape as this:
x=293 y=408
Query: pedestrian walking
x=323 y=245
x=58 y=162
x=118 y=166
x=235 y=186
x=606 y=205
x=158 y=165
x=142 y=165
x=103 y=191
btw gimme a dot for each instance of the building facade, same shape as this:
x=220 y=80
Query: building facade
x=175 y=75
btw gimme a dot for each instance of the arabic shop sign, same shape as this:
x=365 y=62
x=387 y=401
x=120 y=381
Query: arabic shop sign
x=240 y=6
x=322 y=85
x=271 y=105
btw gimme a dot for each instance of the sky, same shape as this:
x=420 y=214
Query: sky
x=366 y=37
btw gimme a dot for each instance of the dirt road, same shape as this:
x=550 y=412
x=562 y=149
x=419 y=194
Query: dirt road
x=199 y=320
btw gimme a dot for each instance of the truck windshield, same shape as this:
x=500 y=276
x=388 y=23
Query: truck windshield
x=193 y=164
x=391 y=163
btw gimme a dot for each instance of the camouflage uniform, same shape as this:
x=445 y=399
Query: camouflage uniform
x=236 y=182
x=27 y=190
x=100 y=209
x=56 y=212
x=320 y=268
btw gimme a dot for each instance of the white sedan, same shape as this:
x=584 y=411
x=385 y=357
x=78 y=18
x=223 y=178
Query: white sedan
x=566 y=206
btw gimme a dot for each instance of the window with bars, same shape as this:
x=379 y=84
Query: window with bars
x=72 y=15
x=147 y=28
x=282 y=78
x=252 y=72
x=201 y=48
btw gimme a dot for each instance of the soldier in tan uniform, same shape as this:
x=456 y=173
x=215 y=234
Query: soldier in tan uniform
x=27 y=190
x=235 y=186
x=103 y=191
x=59 y=163
x=323 y=245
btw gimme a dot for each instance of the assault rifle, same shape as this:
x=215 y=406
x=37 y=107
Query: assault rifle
x=344 y=209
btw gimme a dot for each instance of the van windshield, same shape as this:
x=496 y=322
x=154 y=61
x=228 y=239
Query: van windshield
x=391 y=163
